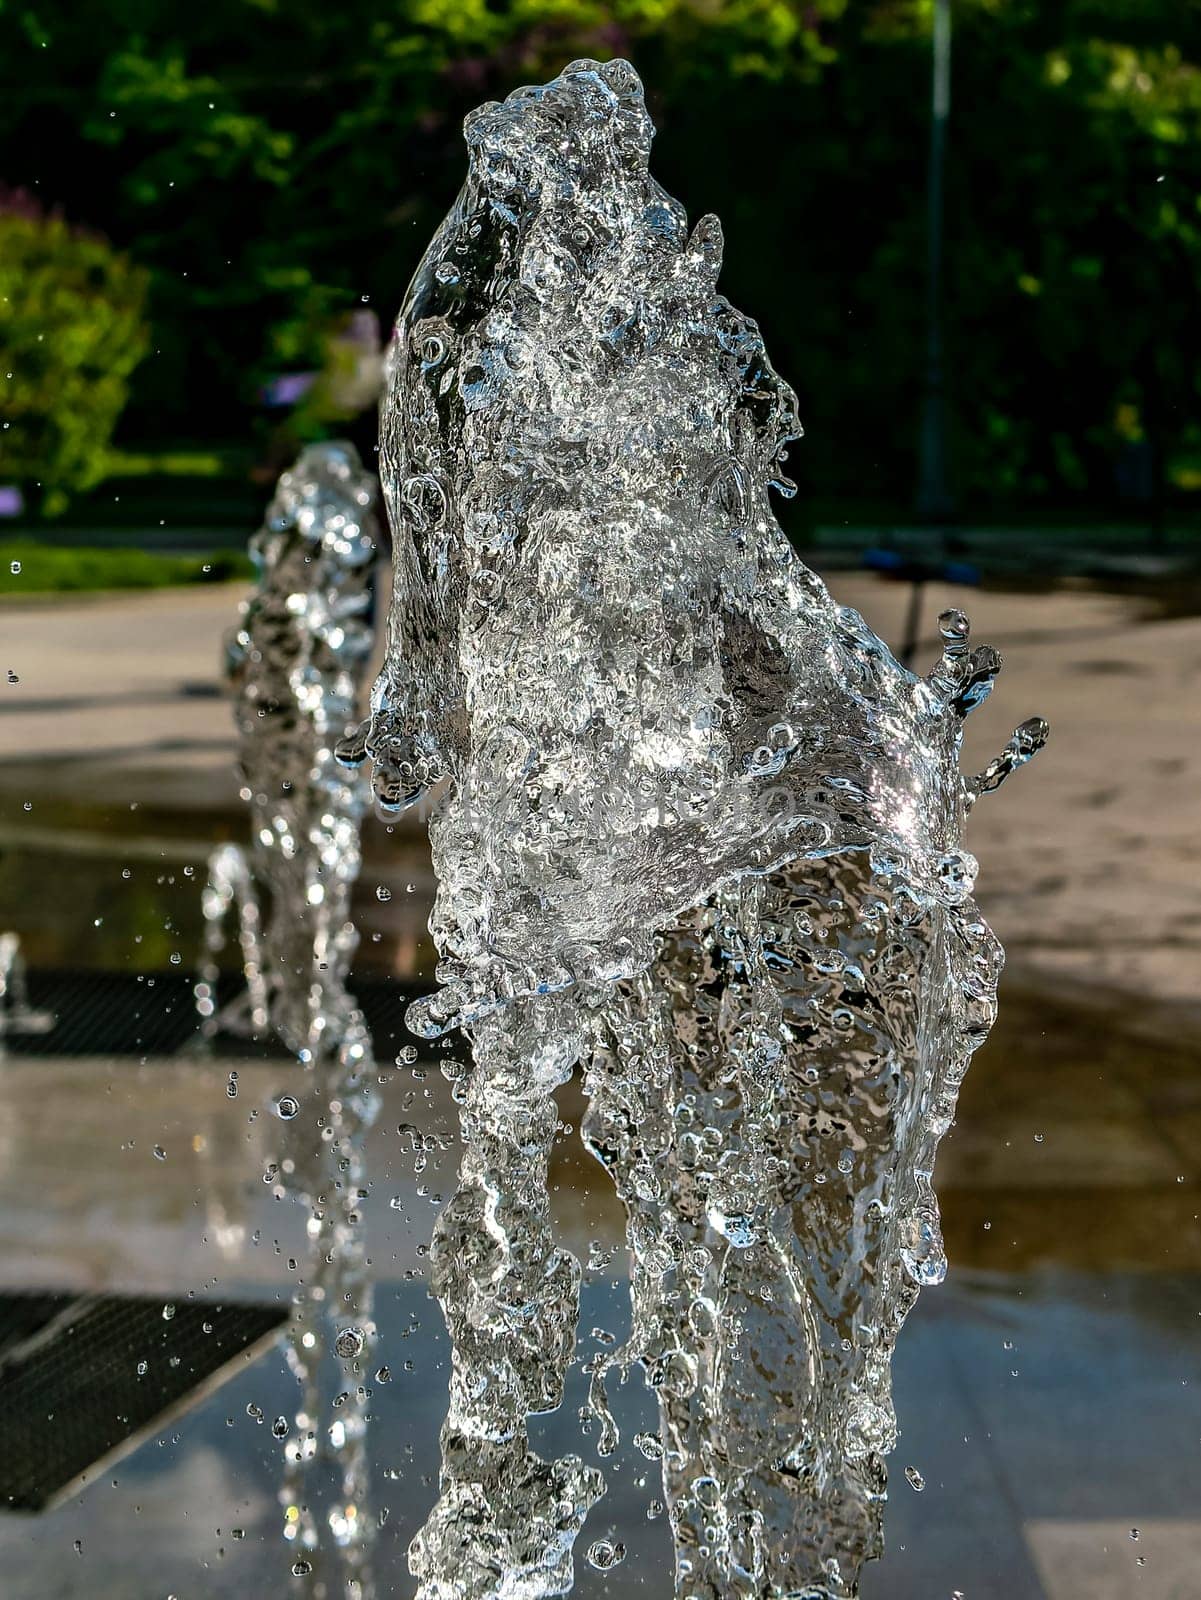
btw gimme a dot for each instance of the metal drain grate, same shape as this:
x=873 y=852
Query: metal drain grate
x=73 y=1393
x=117 y=1014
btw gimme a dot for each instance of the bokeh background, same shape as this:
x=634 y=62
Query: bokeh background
x=201 y=199
x=208 y=216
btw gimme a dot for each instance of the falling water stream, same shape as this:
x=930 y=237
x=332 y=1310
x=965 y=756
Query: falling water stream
x=697 y=837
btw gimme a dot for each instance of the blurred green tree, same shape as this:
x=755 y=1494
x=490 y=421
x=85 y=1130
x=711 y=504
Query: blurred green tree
x=72 y=330
x=278 y=163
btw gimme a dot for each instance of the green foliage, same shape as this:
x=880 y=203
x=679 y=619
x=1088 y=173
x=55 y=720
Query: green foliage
x=166 y=464
x=279 y=162
x=58 y=569
x=71 y=332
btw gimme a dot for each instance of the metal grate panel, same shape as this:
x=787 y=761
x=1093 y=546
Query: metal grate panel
x=73 y=1393
x=117 y=1013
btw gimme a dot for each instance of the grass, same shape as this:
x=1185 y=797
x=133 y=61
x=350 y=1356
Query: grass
x=29 y=567
x=168 y=463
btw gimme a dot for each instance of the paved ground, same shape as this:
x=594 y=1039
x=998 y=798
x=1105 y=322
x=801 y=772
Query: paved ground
x=1050 y=1410
x=1049 y=1393
x=1090 y=860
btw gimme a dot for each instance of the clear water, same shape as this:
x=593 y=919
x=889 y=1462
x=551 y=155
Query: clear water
x=698 y=838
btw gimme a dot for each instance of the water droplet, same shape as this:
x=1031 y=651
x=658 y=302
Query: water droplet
x=286 y=1107
x=159 y=1153
x=605 y=1554
x=280 y=1427
x=14 y=567
x=916 y=1482
x=168 y=1312
x=349 y=1343
x=383 y=893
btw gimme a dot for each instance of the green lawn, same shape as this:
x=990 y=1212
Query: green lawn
x=29 y=567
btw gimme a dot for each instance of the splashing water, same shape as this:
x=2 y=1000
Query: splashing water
x=697 y=832
x=296 y=662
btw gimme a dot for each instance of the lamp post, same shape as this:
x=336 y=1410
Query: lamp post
x=934 y=502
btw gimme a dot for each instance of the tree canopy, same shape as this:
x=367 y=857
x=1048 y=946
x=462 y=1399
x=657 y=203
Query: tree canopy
x=71 y=332
x=274 y=163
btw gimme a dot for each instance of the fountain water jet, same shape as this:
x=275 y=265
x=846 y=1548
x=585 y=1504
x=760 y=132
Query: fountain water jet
x=296 y=662
x=695 y=830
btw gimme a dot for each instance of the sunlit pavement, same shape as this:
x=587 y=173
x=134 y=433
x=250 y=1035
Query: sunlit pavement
x=1049 y=1393
x=1090 y=864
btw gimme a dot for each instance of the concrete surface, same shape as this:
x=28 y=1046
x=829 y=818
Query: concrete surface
x=1049 y=1393
x=1090 y=859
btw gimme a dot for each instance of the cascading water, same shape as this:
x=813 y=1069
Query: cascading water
x=697 y=832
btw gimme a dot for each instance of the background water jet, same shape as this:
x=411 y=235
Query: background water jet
x=296 y=663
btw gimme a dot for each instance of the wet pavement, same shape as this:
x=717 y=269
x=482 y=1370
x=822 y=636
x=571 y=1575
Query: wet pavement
x=1049 y=1393
x=1090 y=866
